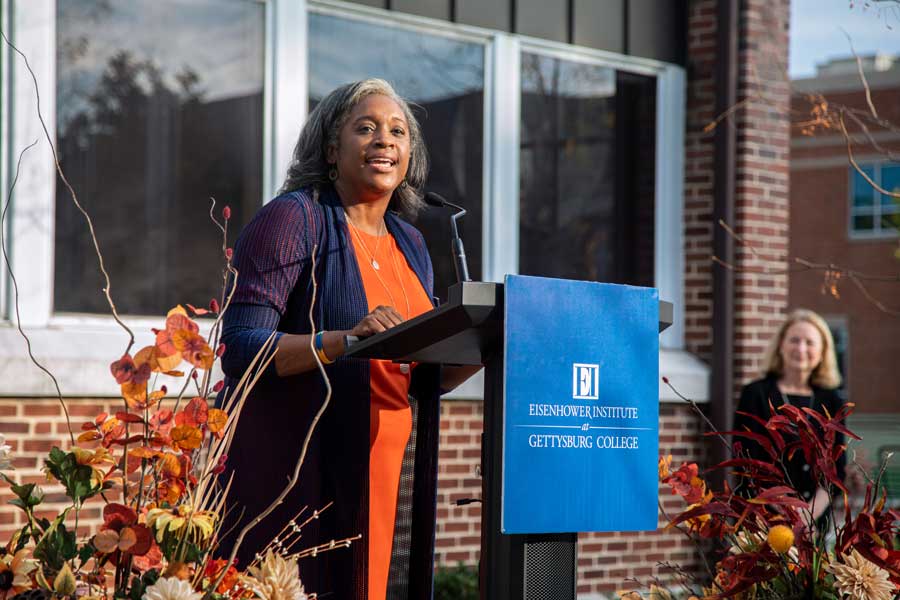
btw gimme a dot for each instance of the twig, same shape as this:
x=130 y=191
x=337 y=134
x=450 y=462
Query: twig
x=862 y=75
x=73 y=195
x=698 y=411
x=15 y=284
x=312 y=428
x=832 y=271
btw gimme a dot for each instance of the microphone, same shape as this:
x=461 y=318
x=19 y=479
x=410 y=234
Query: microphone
x=456 y=244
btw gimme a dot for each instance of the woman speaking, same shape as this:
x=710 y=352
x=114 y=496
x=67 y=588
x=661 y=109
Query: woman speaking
x=334 y=238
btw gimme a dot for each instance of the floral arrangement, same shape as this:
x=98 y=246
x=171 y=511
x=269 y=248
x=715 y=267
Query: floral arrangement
x=155 y=466
x=769 y=546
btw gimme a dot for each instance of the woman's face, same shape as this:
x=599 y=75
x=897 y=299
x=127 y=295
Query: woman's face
x=372 y=154
x=801 y=348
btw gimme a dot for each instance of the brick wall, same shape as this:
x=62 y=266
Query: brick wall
x=32 y=427
x=605 y=560
x=762 y=176
x=762 y=152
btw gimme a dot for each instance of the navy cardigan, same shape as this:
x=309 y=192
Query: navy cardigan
x=273 y=256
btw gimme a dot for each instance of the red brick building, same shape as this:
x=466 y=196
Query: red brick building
x=671 y=68
x=838 y=217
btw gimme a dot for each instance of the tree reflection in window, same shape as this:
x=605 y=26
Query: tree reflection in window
x=586 y=172
x=159 y=108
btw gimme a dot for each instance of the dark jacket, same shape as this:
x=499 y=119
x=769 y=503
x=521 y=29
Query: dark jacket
x=273 y=256
x=755 y=399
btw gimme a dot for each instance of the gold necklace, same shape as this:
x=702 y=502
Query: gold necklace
x=400 y=281
x=375 y=264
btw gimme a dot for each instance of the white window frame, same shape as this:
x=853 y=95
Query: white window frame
x=878 y=233
x=79 y=347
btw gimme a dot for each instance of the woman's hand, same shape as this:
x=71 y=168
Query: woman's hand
x=380 y=319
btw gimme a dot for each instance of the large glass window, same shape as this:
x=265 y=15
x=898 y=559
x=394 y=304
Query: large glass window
x=871 y=212
x=159 y=108
x=586 y=172
x=444 y=78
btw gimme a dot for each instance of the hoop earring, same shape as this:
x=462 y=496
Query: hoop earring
x=333 y=173
x=403 y=184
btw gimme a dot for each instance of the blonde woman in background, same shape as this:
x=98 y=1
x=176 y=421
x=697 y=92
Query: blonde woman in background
x=800 y=368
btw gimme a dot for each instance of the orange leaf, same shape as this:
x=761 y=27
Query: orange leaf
x=89 y=436
x=178 y=310
x=106 y=541
x=143 y=452
x=170 y=465
x=193 y=348
x=156 y=396
x=186 y=437
x=216 y=420
x=176 y=322
x=135 y=395
x=194 y=414
x=174 y=373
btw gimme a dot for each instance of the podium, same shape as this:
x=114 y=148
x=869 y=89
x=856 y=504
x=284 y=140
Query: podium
x=469 y=330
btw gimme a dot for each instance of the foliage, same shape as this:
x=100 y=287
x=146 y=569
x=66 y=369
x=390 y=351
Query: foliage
x=456 y=583
x=155 y=464
x=773 y=549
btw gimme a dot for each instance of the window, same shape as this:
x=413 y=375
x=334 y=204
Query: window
x=159 y=108
x=444 y=80
x=873 y=214
x=569 y=160
x=586 y=172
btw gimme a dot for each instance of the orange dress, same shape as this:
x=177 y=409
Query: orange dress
x=390 y=414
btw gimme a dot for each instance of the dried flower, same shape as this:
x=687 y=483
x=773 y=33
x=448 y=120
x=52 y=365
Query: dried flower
x=276 y=578
x=170 y=588
x=860 y=579
x=5 y=459
x=780 y=538
x=196 y=526
x=14 y=573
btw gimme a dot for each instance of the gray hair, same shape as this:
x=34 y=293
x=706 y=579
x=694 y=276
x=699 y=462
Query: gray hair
x=309 y=165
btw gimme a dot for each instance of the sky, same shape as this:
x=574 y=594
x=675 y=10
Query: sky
x=818 y=26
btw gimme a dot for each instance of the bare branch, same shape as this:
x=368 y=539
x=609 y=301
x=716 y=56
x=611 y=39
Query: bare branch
x=73 y=195
x=15 y=284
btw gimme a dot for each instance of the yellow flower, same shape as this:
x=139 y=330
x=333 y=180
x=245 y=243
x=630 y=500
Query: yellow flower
x=860 y=579
x=195 y=526
x=95 y=459
x=664 y=463
x=780 y=539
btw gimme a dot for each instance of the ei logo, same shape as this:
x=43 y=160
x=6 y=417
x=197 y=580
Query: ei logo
x=585 y=381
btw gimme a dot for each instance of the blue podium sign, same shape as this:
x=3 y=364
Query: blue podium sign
x=580 y=406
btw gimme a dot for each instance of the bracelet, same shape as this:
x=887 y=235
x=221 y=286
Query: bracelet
x=320 y=349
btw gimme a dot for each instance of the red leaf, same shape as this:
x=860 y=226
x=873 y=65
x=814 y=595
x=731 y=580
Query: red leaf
x=129 y=417
x=214 y=306
x=197 y=311
x=116 y=516
x=123 y=369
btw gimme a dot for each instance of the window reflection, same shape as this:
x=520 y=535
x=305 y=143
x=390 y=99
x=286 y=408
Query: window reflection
x=159 y=108
x=586 y=172
x=445 y=80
